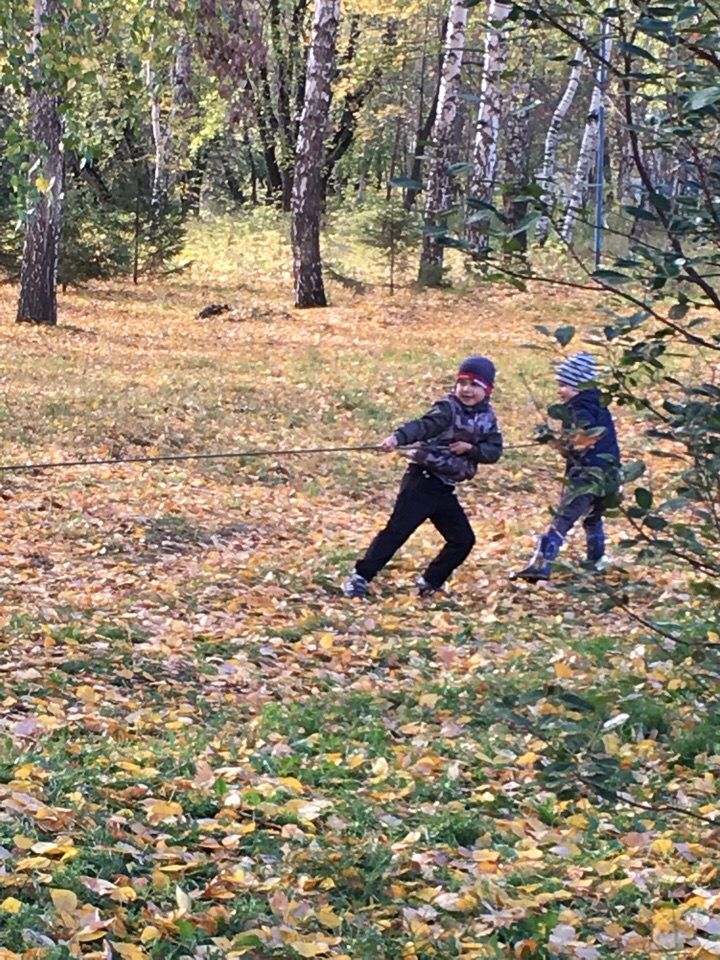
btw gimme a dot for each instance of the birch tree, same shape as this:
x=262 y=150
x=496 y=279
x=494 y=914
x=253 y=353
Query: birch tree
x=577 y=194
x=487 y=128
x=437 y=199
x=546 y=174
x=307 y=183
x=38 y=276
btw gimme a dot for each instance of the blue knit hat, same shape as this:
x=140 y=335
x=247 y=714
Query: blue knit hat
x=577 y=370
x=480 y=369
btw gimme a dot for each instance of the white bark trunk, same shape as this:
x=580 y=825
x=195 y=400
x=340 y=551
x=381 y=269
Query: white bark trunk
x=546 y=174
x=588 y=151
x=437 y=198
x=307 y=182
x=160 y=131
x=487 y=129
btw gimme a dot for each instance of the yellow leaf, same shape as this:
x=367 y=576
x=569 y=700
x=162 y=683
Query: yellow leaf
x=562 y=669
x=159 y=880
x=159 y=810
x=11 y=905
x=64 y=900
x=611 y=742
x=310 y=948
x=23 y=843
x=429 y=700
x=326 y=641
x=128 y=951
x=149 y=934
x=662 y=846
x=527 y=759
x=328 y=918
x=292 y=784
x=124 y=895
x=86 y=694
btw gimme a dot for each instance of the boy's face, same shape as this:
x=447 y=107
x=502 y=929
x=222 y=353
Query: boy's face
x=469 y=392
x=566 y=392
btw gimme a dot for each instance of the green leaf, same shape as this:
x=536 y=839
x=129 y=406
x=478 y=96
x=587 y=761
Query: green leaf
x=526 y=222
x=575 y=702
x=639 y=213
x=406 y=183
x=636 y=51
x=632 y=470
x=655 y=522
x=456 y=168
x=564 y=335
x=643 y=497
x=475 y=204
x=678 y=310
x=613 y=277
x=433 y=230
x=703 y=98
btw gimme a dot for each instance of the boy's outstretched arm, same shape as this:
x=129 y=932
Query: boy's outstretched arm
x=438 y=417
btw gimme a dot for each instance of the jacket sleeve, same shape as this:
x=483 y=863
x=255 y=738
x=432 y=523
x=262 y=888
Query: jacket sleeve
x=438 y=417
x=489 y=449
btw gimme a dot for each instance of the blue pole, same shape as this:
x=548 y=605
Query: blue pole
x=600 y=171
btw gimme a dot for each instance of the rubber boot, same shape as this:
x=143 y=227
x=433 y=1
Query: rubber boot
x=595 y=547
x=540 y=566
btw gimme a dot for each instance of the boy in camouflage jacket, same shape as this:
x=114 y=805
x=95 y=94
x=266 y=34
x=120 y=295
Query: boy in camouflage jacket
x=459 y=432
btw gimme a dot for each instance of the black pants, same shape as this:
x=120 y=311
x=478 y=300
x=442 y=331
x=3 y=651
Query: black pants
x=422 y=497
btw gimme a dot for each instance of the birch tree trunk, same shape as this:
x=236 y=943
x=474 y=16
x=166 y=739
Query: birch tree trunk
x=438 y=198
x=38 y=275
x=546 y=175
x=307 y=182
x=487 y=128
x=160 y=130
x=588 y=151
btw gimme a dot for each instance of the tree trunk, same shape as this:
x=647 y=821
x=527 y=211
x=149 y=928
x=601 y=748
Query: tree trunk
x=487 y=128
x=38 y=275
x=546 y=175
x=424 y=126
x=160 y=132
x=437 y=200
x=307 y=184
x=516 y=171
x=588 y=150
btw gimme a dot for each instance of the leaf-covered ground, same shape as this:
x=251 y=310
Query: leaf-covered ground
x=205 y=751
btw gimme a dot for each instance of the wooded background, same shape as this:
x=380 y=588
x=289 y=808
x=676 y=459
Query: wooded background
x=474 y=124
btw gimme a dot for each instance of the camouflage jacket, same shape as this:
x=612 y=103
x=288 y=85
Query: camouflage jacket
x=449 y=420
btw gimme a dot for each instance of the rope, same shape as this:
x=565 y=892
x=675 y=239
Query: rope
x=172 y=458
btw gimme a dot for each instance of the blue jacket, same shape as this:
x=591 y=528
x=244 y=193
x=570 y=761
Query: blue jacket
x=602 y=458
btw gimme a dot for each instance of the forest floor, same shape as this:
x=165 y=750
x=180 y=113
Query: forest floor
x=206 y=751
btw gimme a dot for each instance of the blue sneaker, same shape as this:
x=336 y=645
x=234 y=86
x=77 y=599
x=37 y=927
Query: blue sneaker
x=355 y=586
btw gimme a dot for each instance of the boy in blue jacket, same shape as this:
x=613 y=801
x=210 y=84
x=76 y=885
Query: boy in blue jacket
x=592 y=472
x=458 y=433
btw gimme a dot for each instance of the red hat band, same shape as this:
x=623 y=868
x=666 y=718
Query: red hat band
x=462 y=375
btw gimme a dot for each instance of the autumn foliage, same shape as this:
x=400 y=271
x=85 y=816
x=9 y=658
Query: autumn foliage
x=205 y=751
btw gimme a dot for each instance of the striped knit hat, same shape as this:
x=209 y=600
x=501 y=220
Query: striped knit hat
x=577 y=370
